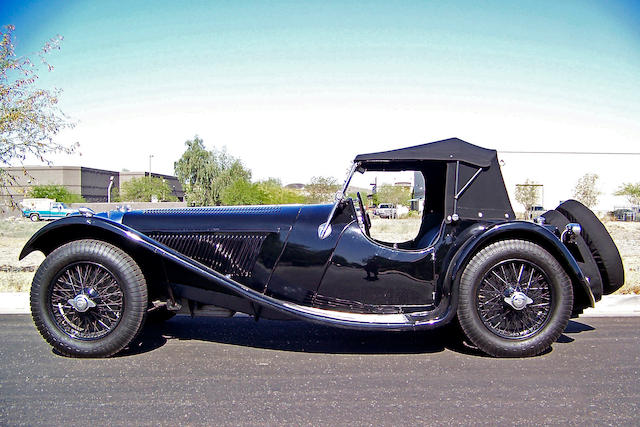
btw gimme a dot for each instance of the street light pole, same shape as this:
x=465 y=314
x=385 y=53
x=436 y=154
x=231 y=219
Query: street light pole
x=150 y=157
x=109 y=190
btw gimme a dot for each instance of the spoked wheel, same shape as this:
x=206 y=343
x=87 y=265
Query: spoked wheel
x=88 y=298
x=86 y=301
x=515 y=299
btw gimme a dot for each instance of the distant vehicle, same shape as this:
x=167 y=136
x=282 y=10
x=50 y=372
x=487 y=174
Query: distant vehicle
x=37 y=209
x=535 y=212
x=386 y=210
x=624 y=214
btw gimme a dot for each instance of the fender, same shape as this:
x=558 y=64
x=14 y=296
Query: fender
x=526 y=230
x=74 y=227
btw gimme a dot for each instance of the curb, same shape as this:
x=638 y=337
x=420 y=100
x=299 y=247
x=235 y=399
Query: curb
x=14 y=303
x=609 y=306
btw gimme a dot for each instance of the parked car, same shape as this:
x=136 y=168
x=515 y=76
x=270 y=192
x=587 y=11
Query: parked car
x=386 y=210
x=511 y=285
x=624 y=214
x=37 y=209
x=535 y=212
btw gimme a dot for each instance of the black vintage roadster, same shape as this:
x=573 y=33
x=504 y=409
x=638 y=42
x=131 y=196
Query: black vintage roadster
x=511 y=285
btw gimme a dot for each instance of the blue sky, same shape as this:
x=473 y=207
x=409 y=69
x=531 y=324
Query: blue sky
x=279 y=83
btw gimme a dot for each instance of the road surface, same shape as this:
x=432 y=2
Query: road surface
x=236 y=371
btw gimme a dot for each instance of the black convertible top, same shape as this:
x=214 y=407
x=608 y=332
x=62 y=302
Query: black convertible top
x=464 y=177
x=451 y=150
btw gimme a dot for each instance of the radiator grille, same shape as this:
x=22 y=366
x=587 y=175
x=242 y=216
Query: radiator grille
x=227 y=253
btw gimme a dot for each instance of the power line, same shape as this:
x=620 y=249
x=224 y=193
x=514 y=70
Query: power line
x=570 y=153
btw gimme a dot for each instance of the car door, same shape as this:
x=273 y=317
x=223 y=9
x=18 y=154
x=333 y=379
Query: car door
x=366 y=276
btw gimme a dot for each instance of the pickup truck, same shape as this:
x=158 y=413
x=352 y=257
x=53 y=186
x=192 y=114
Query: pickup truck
x=386 y=210
x=37 y=209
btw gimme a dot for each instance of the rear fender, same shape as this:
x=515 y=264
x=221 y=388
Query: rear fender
x=526 y=231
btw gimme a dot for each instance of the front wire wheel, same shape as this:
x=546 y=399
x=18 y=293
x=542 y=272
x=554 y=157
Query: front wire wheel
x=515 y=299
x=88 y=299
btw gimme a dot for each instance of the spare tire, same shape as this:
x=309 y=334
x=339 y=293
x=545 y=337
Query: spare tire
x=584 y=258
x=603 y=249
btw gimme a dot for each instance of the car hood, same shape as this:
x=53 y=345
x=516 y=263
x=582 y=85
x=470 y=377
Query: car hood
x=210 y=219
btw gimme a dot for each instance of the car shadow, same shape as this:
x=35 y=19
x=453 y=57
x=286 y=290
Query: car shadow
x=299 y=336
x=573 y=328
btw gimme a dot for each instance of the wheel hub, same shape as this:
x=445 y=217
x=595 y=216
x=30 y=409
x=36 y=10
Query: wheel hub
x=81 y=303
x=518 y=300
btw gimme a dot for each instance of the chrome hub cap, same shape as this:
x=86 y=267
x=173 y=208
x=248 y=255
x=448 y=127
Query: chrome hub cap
x=518 y=300
x=81 y=303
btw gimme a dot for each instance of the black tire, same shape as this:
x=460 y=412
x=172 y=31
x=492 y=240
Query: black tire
x=88 y=299
x=603 y=249
x=34 y=217
x=527 y=331
x=159 y=315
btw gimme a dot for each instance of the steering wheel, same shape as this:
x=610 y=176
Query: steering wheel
x=366 y=221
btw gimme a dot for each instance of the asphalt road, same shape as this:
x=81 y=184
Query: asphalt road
x=235 y=371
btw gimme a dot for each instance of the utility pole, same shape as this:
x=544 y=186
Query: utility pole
x=109 y=190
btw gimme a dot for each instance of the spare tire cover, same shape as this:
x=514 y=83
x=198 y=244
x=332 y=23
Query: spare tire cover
x=585 y=260
x=602 y=247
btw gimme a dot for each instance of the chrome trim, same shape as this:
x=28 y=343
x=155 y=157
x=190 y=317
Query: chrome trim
x=86 y=212
x=570 y=231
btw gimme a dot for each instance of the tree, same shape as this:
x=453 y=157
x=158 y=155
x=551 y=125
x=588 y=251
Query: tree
x=269 y=192
x=527 y=194
x=242 y=192
x=30 y=117
x=276 y=194
x=631 y=191
x=586 y=191
x=393 y=194
x=205 y=174
x=58 y=193
x=146 y=189
x=321 y=189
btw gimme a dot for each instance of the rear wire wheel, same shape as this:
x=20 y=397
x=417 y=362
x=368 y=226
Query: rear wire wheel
x=88 y=299
x=515 y=299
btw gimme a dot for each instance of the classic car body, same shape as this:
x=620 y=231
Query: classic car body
x=105 y=273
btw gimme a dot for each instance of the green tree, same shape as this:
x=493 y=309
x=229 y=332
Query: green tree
x=205 y=174
x=276 y=194
x=30 y=117
x=58 y=193
x=145 y=189
x=242 y=192
x=321 y=189
x=394 y=194
x=586 y=191
x=269 y=192
x=527 y=194
x=631 y=191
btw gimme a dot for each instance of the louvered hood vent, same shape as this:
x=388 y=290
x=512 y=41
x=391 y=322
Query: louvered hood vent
x=228 y=253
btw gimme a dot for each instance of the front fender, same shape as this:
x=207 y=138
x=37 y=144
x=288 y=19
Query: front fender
x=75 y=227
x=521 y=230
